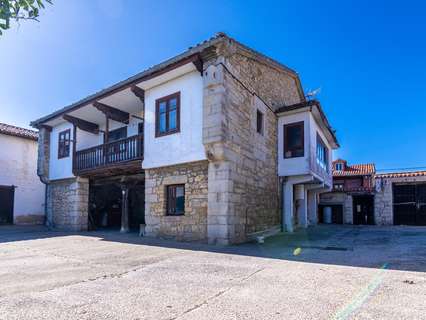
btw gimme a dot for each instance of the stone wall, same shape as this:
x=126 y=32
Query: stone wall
x=340 y=198
x=192 y=226
x=243 y=180
x=43 y=155
x=271 y=81
x=67 y=204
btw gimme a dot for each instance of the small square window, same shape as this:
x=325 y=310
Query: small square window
x=259 y=122
x=64 y=142
x=339 y=166
x=175 y=200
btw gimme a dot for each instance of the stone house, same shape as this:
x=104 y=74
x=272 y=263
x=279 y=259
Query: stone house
x=213 y=145
x=21 y=192
x=351 y=201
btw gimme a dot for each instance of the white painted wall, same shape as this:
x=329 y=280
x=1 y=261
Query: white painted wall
x=314 y=166
x=18 y=167
x=185 y=146
x=293 y=166
x=308 y=163
x=59 y=168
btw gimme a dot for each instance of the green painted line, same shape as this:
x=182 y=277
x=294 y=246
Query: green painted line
x=360 y=299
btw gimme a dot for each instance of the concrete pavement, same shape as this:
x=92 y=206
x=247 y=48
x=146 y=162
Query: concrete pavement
x=327 y=272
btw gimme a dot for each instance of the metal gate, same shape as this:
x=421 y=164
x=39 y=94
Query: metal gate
x=7 y=195
x=409 y=204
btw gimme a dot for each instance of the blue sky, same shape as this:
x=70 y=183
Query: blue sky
x=368 y=57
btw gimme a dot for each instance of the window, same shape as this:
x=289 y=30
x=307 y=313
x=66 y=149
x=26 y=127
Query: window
x=64 y=142
x=140 y=128
x=294 y=144
x=259 y=122
x=117 y=134
x=338 y=186
x=175 y=200
x=339 y=166
x=322 y=153
x=167 y=115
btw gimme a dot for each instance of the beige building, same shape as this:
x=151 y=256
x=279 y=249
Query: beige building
x=21 y=192
x=216 y=144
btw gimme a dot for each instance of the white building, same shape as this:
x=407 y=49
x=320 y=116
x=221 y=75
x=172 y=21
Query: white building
x=21 y=191
x=197 y=148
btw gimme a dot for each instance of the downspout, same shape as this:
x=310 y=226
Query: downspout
x=41 y=166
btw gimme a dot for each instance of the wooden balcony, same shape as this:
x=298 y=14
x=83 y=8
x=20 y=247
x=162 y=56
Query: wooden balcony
x=119 y=156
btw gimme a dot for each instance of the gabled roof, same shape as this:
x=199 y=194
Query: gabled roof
x=402 y=174
x=18 y=132
x=310 y=103
x=191 y=52
x=355 y=169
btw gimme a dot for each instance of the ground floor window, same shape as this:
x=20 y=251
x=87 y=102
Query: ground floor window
x=175 y=200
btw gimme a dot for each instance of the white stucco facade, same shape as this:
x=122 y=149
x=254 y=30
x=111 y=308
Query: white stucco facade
x=18 y=168
x=303 y=178
x=59 y=168
x=186 y=145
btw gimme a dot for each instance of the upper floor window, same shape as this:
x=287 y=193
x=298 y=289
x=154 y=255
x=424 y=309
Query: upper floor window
x=167 y=115
x=338 y=186
x=64 y=142
x=322 y=153
x=117 y=134
x=338 y=166
x=294 y=144
x=175 y=200
x=259 y=122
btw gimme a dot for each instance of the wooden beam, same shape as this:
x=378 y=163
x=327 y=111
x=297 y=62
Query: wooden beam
x=82 y=124
x=112 y=113
x=138 y=92
x=198 y=63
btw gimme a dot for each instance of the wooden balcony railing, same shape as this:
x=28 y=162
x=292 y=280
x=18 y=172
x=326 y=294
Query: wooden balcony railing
x=109 y=154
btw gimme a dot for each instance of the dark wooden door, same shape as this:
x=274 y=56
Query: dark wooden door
x=409 y=204
x=363 y=209
x=7 y=195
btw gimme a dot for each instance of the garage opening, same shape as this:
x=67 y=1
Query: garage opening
x=106 y=202
x=409 y=204
x=7 y=196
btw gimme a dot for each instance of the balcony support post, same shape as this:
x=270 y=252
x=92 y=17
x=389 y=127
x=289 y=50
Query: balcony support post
x=124 y=209
x=74 y=147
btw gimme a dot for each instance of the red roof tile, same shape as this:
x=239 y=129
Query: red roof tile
x=355 y=170
x=402 y=174
x=18 y=132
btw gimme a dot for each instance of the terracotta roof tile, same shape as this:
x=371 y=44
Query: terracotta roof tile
x=355 y=170
x=18 y=132
x=402 y=174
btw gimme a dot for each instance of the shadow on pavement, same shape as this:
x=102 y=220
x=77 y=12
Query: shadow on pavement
x=397 y=248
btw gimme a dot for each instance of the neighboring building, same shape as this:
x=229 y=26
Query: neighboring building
x=212 y=145
x=401 y=198
x=351 y=200
x=21 y=192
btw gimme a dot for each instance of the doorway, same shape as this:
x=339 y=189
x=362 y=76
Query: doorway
x=363 y=209
x=7 y=196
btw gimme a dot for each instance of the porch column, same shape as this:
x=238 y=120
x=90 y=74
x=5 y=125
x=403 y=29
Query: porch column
x=124 y=209
x=312 y=207
x=301 y=203
x=287 y=207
